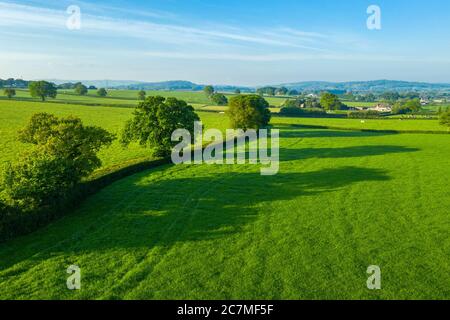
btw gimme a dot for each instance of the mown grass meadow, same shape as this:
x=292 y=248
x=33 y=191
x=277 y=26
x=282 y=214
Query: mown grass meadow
x=342 y=200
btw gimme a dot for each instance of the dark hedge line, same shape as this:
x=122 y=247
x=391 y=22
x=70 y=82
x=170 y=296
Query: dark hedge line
x=14 y=222
x=369 y=130
x=370 y=114
x=307 y=113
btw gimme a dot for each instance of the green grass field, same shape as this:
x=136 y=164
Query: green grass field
x=15 y=114
x=367 y=124
x=342 y=200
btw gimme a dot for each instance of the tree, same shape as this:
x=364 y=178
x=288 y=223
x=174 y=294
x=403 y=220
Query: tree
x=42 y=89
x=81 y=89
x=219 y=99
x=9 y=92
x=297 y=103
x=282 y=91
x=92 y=88
x=141 y=95
x=330 y=101
x=155 y=120
x=237 y=91
x=102 y=92
x=444 y=118
x=266 y=90
x=293 y=92
x=208 y=90
x=390 y=96
x=248 y=112
x=408 y=106
x=65 y=152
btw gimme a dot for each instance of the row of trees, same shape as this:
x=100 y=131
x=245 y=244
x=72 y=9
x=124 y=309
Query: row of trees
x=13 y=83
x=44 y=89
x=327 y=101
x=272 y=91
x=70 y=86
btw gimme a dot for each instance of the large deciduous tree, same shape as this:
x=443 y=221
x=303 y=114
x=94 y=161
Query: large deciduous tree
x=248 y=112
x=64 y=152
x=155 y=120
x=330 y=101
x=42 y=89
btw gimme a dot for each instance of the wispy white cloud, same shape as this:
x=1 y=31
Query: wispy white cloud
x=37 y=18
x=280 y=57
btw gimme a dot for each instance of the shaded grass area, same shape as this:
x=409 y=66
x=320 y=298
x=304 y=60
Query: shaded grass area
x=366 y=124
x=341 y=202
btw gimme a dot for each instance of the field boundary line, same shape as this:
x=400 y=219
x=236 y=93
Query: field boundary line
x=307 y=126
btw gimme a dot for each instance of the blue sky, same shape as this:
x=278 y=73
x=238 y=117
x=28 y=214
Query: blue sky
x=244 y=42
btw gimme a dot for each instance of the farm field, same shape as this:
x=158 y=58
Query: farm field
x=15 y=114
x=129 y=97
x=343 y=200
x=371 y=124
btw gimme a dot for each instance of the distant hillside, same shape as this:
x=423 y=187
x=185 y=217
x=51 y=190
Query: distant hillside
x=364 y=86
x=140 y=85
x=306 y=86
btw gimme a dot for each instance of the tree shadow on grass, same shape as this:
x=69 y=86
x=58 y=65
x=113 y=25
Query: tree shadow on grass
x=176 y=210
x=319 y=133
x=347 y=152
x=299 y=131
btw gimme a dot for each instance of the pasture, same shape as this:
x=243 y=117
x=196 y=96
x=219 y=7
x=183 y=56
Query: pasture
x=343 y=200
x=15 y=114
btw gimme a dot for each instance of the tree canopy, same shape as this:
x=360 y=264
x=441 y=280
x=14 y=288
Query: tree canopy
x=248 y=112
x=282 y=91
x=208 y=90
x=219 y=99
x=102 y=92
x=444 y=118
x=9 y=92
x=270 y=91
x=141 y=95
x=330 y=101
x=42 y=89
x=65 y=151
x=407 y=106
x=154 y=121
x=81 y=89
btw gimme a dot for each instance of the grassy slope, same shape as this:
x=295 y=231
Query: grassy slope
x=342 y=201
x=15 y=114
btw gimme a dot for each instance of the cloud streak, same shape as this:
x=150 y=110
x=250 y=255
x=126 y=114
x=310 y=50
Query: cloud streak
x=41 y=18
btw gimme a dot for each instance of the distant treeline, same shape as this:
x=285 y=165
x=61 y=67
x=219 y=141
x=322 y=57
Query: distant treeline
x=73 y=85
x=13 y=83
